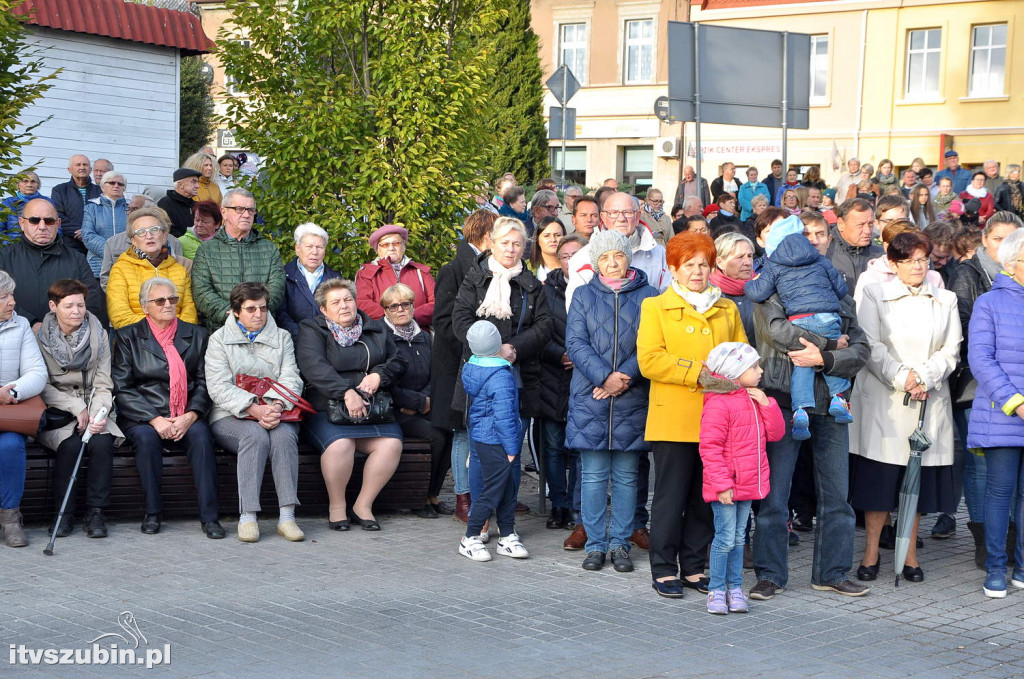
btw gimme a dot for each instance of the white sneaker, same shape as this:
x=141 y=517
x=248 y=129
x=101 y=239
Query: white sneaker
x=473 y=549
x=511 y=546
x=485 y=537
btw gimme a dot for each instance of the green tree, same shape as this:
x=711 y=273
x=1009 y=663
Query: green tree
x=363 y=113
x=515 y=133
x=195 y=122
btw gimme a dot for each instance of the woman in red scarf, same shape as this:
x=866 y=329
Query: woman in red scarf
x=160 y=376
x=734 y=266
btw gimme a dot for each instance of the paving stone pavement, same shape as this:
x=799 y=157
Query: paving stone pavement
x=403 y=603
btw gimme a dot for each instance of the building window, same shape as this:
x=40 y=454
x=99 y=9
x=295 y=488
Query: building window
x=924 y=49
x=988 y=61
x=229 y=82
x=639 y=51
x=638 y=166
x=575 y=164
x=819 y=68
x=572 y=52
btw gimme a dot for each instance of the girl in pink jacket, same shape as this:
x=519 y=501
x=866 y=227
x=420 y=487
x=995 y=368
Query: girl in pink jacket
x=737 y=421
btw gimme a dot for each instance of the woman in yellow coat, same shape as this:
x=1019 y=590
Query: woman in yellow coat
x=208 y=187
x=678 y=329
x=147 y=257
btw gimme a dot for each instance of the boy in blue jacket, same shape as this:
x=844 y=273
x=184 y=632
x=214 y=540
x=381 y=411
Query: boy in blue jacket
x=809 y=288
x=495 y=440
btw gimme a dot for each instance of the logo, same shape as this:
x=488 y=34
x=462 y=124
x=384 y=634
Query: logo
x=121 y=649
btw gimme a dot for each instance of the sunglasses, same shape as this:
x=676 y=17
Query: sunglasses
x=163 y=301
x=116 y=184
x=399 y=306
x=34 y=221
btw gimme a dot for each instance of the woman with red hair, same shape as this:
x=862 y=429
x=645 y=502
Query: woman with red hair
x=677 y=331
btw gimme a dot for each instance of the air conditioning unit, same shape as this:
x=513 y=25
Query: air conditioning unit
x=667 y=147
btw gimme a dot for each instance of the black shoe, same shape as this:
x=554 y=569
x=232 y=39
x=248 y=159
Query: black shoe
x=151 y=524
x=846 y=588
x=594 y=561
x=794 y=539
x=574 y=519
x=555 y=520
x=765 y=590
x=367 y=524
x=700 y=585
x=803 y=523
x=95 y=526
x=621 y=560
x=670 y=589
x=887 y=539
x=213 y=530
x=64 y=528
x=342 y=525
x=530 y=467
x=867 y=573
x=442 y=509
x=427 y=511
x=913 y=574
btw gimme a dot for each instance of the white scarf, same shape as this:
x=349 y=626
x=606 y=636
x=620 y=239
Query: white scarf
x=499 y=293
x=701 y=301
x=977 y=193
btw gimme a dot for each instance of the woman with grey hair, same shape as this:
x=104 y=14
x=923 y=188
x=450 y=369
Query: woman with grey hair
x=734 y=266
x=1009 y=195
x=23 y=375
x=159 y=371
x=347 y=361
x=105 y=216
x=996 y=355
x=302 y=276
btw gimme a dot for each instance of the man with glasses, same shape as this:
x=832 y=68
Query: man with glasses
x=70 y=197
x=657 y=219
x=40 y=258
x=544 y=204
x=237 y=253
x=179 y=201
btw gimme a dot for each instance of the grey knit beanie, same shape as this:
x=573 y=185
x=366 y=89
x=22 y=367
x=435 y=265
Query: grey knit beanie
x=603 y=241
x=483 y=339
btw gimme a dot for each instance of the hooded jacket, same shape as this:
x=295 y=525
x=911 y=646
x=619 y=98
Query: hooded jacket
x=851 y=260
x=103 y=218
x=125 y=282
x=734 y=431
x=601 y=339
x=373 y=278
x=807 y=283
x=493 y=403
x=649 y=258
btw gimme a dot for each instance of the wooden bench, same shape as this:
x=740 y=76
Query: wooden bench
x=407 y=489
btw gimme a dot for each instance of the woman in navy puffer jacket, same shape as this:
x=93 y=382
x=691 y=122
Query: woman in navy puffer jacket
x=608 y=395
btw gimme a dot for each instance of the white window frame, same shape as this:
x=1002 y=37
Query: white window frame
x=640 y=43
x=928 y=54
x=820 y=61
x=576 y=47
x=984 y=53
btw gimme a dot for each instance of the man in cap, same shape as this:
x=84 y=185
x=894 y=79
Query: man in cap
x=958 y=175
x=179 y=201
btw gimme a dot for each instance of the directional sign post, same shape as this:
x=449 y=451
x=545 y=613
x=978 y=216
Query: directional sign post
x=563 y=85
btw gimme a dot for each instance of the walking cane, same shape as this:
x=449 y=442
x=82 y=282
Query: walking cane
x=48 y=551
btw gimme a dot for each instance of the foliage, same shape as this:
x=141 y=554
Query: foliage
x=363 y=112
x=517 y=137
x=195 y=125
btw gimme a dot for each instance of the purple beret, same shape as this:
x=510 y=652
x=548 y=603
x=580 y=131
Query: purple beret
x=387 y=230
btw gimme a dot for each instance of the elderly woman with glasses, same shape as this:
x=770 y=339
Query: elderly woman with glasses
x=147 y=257
x=302 y=276
x=105 y=216
x=394 y=266
x=159 y=372
x=28 y=189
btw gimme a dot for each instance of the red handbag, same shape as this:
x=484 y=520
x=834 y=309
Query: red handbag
x=259 y=386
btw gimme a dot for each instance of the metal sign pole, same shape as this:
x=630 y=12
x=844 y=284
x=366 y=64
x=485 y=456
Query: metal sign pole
x=565 y=88
x=785 y=102
x=696 y=101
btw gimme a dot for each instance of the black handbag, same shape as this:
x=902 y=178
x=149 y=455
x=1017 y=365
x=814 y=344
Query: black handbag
x=378 y=406
x=962 y=386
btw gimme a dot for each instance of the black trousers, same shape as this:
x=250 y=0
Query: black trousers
x=419 y=427
x=803 y=498
x=682 y=524
x=198 y=446
x=100 y=451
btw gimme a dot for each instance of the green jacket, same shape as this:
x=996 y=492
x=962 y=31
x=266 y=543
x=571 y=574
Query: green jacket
x=189 y=244
x=222 y=262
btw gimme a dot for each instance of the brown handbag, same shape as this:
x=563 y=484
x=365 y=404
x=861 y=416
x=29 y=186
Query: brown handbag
x=22 y=417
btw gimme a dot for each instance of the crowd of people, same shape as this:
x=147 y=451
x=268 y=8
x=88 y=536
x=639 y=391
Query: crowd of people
x=769 y=342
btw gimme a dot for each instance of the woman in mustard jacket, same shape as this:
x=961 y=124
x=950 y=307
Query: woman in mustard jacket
x=147 y=257
x=678 y=329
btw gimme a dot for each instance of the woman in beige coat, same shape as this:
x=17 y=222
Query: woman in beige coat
x=914 y=332
x=76 y=351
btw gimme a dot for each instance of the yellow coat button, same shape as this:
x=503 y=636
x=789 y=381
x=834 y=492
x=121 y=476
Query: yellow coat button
x=706 y=331
x=689 y=328
x=693 y=388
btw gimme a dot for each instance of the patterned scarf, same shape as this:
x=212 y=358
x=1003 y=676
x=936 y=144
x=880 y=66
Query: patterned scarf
x=175 y=366
x=250 y=335
x=397 y=266
x=497 y=301
x=406 y=332
x=656 y=214
x=701 y=301
x=346 y=337
x=72 y=352
x=156 y=260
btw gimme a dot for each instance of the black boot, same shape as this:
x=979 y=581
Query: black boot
x=978 y=533
x=95 y=526
x=555 y=520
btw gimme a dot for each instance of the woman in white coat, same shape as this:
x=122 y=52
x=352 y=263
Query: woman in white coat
x=914 y=332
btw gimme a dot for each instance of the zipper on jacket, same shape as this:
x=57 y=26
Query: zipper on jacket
x=758 y=421
x=615 y=366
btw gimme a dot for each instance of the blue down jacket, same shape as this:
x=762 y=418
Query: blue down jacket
x=493 y=402
x=807 y=283
x=601 y=339
x=996 y=355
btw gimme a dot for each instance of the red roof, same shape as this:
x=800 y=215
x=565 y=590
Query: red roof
x=122 y=20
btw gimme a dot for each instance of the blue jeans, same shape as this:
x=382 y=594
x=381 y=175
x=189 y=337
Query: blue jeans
x=12 y=469
x=833 y=531
x=726 y=569
x=600 y=467
x=1005 y=471
x=553 y=439
x=460 y=455
x=576 y=479
x=972 y=470
x=801 y=385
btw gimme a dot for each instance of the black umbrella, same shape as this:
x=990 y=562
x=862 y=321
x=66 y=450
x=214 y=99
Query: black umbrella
x=910 y=490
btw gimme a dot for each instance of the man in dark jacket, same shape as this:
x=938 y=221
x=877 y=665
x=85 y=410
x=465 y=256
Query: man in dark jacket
x=773 y=181
x=70 y=198
x=40 y=258
x=852 y=245
x=179 y=201
x=833 y=551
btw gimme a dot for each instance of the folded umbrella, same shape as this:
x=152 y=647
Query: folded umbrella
x=910 y=490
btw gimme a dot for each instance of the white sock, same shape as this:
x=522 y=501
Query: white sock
x=247 y=517
x=287 y=514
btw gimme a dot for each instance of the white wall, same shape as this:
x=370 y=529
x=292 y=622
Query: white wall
x=114 y=99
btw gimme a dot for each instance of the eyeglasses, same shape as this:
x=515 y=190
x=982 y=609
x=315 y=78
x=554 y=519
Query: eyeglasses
x=656 y=202
x=116 y=184
x=615 y=214
x=239 y=210
x=152 y=229
x=551 y=207
x=914 y=262
x=34 y=221
x=252 y=309
x=163 y=301
x=391 y=244
x=399 y=306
